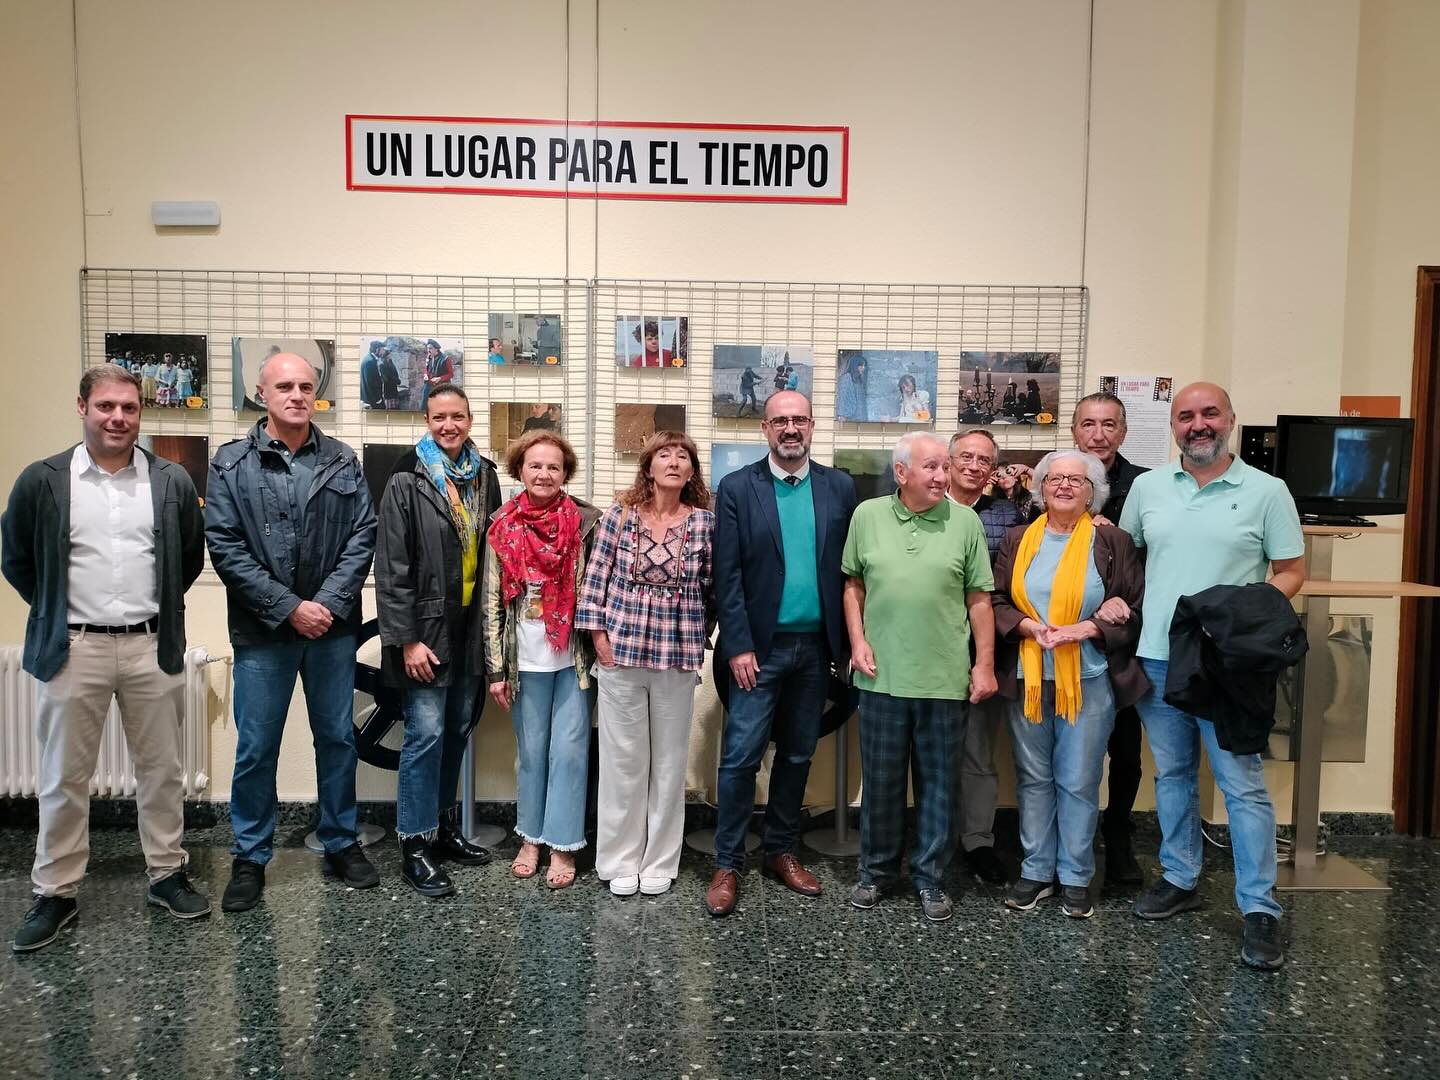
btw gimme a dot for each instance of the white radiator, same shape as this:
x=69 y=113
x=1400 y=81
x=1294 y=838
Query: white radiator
x=114 y=772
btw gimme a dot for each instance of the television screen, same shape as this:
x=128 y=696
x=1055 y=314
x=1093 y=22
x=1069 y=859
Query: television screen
x=1345 y=464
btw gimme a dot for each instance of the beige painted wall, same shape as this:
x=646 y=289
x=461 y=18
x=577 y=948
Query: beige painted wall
x=1251 y=209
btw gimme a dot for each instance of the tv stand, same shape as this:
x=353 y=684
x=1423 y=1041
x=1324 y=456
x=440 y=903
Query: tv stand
x=1337 y=520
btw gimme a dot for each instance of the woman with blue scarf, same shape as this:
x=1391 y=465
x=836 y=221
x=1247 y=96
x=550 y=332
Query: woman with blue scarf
x=427 y=560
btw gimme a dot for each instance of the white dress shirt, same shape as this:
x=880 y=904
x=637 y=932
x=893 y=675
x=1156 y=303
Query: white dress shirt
x=112 y=543
x=783 y=476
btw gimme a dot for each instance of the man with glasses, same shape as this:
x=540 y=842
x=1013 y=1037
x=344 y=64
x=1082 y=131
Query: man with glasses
x=780 y=529
x=972 y=458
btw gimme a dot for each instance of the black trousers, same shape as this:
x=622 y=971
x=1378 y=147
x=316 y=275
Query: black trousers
x=1124 y=768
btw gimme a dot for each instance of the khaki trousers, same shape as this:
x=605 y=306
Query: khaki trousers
x=71 y=719
x=644 y=731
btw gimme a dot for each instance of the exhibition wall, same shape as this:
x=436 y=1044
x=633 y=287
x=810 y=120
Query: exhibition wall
x=1238 y=185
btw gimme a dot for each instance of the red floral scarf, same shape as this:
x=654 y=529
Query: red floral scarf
x=540 y=545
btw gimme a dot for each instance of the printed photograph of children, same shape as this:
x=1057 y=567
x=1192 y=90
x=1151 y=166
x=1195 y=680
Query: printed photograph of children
x=886 y=386
x=531 y=340
x=173 y=369
x=746 y=375
x=651 y=341
x=248 y=353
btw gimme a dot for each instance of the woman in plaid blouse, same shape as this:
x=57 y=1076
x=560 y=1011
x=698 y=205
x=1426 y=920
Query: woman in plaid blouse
x=648 y=601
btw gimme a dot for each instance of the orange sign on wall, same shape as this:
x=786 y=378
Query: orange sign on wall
x=1361 y=405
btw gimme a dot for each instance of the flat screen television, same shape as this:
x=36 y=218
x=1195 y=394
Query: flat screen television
x=1344 y=466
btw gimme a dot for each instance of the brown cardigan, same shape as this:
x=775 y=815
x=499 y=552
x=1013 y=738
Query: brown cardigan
x=1123 y=575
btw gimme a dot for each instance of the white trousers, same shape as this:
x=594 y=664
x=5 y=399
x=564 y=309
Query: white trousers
x=644 y=731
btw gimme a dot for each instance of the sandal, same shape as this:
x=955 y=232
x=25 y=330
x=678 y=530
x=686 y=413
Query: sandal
x=560 y=877
x=524 y=867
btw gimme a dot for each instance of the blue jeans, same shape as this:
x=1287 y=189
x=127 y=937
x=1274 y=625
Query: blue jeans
x=1175 y=739
x=552 y=731
x=786 y=706
x=1058 y=766
x=438 y=720
x=264 y=684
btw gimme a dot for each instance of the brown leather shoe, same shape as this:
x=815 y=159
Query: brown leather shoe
x=724 y=889
x=787 y=870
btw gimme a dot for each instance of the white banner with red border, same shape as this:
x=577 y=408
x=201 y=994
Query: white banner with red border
x=604 y=160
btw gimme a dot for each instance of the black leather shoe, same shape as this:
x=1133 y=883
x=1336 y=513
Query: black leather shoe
x=451 y=845
x=350 y=866
x=420 y=869
x=44 y=921
x=247 y=882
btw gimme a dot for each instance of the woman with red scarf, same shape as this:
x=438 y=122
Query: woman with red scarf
x=538 y=665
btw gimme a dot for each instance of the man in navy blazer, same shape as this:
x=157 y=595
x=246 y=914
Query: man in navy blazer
x=780 y=528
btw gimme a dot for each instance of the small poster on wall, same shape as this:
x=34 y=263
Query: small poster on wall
x=746 y=375
x=652 y=341
x=1009 y=387
x=729 y=457
x=886 y=386
x=248 y=354
x=190 y=452
x=527 y=340
x=397 y=371
x=634 y=424
x=1147 y=414
x=173 y=369
x=511 y=419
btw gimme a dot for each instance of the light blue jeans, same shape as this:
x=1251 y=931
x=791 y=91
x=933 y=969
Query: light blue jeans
x=1057 y=782
x=438 y=720
x=1175 y=738
x=552 y=731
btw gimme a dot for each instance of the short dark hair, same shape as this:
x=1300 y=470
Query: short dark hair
x=94 y=376
x=515 y=455
x=1100 y=397
x=447 y=388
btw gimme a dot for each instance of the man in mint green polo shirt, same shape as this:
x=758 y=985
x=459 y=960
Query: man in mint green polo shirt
x=918 y=585
x=1208 y=519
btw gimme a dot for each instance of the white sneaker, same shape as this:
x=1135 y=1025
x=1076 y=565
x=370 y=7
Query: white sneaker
x=654 y=886
x=625 y=886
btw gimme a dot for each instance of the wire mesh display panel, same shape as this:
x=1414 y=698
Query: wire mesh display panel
x=983 y=337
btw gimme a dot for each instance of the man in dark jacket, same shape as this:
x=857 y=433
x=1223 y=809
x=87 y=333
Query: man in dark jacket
x=102 y=541
x=1209 y=519
x=780 y=528
x=291 y=532
x=1098 y=427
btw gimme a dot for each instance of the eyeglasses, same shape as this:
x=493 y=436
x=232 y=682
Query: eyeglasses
x=782 y=422
x=1057 y=480
x=967 y=458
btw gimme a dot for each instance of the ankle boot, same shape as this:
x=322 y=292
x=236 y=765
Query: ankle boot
x=420 y=868
x=1120 y=865
x=451 y=845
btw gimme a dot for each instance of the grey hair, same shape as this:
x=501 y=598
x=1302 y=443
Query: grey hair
x=1094 y=469
x=901 y=455
x=274 y=352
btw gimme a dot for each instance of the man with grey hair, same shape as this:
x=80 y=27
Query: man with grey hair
x=918 y=586
x=102 y=541
x=291 y=531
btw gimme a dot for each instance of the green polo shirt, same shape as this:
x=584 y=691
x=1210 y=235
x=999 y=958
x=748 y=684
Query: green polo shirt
x=1226 y=533
x=917 y=569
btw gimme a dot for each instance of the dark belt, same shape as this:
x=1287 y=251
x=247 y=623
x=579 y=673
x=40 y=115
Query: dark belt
x=149 y=626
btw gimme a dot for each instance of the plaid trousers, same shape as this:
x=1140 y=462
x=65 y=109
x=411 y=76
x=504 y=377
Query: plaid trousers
x=923 y=736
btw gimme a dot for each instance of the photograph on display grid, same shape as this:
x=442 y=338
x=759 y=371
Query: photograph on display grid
x=511 y=419
x=873 y=471
x=746 y=375
x=378 y=461
x=728 y=457
x=526 y=340
x=247 y=354
x=173 y=369
x=652 y=341
x=634 y=424
x=886 y=386
x=398 y=370
x=1012 y=476
x=190 y=452
x=1009 y=387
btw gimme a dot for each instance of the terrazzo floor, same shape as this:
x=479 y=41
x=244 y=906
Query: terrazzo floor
x=509 y=979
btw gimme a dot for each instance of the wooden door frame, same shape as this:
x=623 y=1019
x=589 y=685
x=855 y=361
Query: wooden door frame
x=1417 y=696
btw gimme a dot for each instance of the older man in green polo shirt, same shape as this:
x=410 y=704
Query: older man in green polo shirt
x=918 y=587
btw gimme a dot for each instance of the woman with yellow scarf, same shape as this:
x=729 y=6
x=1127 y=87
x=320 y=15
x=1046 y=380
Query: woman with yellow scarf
x=1067 y=619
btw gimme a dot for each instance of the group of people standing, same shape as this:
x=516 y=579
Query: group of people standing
x=953 y=611
x=166 y=382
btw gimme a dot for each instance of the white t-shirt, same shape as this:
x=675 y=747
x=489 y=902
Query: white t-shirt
x=533 y=651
